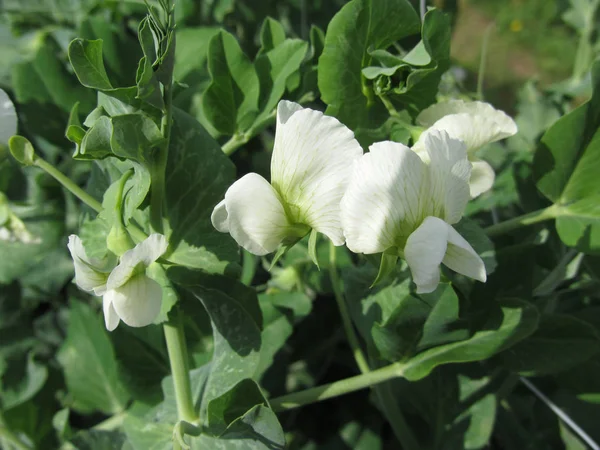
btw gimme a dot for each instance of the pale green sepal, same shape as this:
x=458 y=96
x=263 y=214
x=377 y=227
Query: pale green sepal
x=312 y=247
x=118 y=240
x=386 y=266
x=282 y=250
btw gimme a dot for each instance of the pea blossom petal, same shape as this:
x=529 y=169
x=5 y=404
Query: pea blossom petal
x=436 y=242
x=424 y=252
x=111 y=318
x=448 y=176
x=137 y=302
x=310 y=167
x=382 y=199
x=482 y=178
x=405 y=202
x=137 y=260
x=90 y=273
x=253 y=214
x=475 y=123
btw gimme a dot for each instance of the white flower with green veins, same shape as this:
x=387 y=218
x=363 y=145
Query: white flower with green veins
x=474 y=123
x=404 y=203
x=128 y=294
x=310 y=168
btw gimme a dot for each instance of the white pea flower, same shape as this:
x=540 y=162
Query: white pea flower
x=127 y=293
x=310 y=167
x=403 y=205
x=476 y=124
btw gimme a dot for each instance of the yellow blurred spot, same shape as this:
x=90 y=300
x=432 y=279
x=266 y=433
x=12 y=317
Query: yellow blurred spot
x=516 y=25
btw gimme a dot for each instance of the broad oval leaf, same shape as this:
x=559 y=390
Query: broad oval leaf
x=361 y=25
x=566 y=167
x=231 y=100
x=88 y=350
x=86 y=59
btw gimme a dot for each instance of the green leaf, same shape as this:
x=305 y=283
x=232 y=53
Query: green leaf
x=146 y=81
x=235 y=317
x=96 y=142
x=476 y=421
x=231 y=100
x=560 y=342
x=272 y=35
x=30 y=384
x=565 y=168
x=509 y=322
x=98 y=440
x=143 y=360
x=396 y=334
x=86 y=59
x=360 y=26
x=420 y=88
x=191 y=52
x=280 y=312
x=274 y=68
x=135 y=136
x=233 y=404
x=87 y=350
x=443 y=324
x=258 y=429
x=197 y=176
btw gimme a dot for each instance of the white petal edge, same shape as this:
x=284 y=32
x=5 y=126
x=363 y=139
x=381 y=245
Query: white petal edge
x=424 y=252
x=220 y=218
x=111 y=318
x=449 y=172
x=8 y=118
x=382 y=202
x=461 y=257
x=482 y=178
x=143 y=254
x=476 y=123
x=137 y=302
x=311 y=166
x=256 y=218
x=88 y=271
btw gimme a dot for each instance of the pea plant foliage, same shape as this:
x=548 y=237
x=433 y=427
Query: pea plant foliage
x=231 y=238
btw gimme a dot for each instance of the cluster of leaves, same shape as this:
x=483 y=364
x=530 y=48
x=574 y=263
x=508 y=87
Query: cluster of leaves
x=254 y=334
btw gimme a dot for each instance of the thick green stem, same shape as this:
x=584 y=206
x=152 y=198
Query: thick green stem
x=527 y=219
x=178 y=358
x=68 y=184
x=159 y=165
x=337 y=388
x=359 y=356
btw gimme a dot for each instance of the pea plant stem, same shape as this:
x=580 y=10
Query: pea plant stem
x=337 y=388
x=159 y=165
x=359 y=356
x=68 y=184
x=178 y=358
x=527 y=219
x=137 y=234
